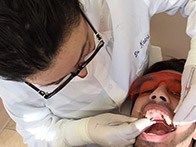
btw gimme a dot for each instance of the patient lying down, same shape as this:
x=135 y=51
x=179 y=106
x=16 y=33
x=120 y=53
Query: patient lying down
x=156 y=95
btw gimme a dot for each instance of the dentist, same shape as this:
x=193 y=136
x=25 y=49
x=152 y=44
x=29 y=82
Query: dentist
x=66 y=67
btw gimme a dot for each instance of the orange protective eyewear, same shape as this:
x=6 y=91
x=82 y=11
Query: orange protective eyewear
x=148 y=83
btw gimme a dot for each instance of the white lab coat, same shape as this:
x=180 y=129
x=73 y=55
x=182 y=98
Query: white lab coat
x=124 y=25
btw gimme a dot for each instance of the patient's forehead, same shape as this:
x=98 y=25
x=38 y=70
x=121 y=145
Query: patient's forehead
x=161 y=76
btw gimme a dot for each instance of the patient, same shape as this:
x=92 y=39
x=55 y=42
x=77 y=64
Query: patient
x=155 y=96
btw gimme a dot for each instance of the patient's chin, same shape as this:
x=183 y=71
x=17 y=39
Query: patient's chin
x=153 y=137
x=159 y=135
x=142 y=143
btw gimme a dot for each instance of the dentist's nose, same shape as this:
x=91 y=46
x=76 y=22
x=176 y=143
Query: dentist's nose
x=83 y=73
x=160 y=94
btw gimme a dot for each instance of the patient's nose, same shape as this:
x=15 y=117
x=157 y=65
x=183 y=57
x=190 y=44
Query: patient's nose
x=160 y=94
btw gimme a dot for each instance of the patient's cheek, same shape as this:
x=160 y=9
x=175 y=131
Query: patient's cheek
x=136 y=110
x=133 y=113
x=138 y=105
x=184 y=128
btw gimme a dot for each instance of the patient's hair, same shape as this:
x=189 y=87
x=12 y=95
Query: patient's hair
x=31 y=32
x=172 y=64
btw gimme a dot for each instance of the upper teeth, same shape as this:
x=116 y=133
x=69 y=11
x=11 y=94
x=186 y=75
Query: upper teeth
x=152 y=112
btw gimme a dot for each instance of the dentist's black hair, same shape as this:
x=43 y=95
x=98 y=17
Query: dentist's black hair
x=31 y=33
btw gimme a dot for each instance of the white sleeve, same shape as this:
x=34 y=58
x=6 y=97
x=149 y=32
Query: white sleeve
x=40 y=128
x=186 y=7
x=36 y=123
x=168 y=6
x=190 y=11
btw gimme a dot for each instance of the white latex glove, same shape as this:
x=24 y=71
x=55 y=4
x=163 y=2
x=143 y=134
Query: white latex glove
x=104 y=129
x=116 y=130
x=186 y=109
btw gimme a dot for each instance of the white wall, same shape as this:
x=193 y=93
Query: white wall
x=168 y=32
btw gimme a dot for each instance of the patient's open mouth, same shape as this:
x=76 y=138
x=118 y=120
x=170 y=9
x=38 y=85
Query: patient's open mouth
x=163 y=120
x=160 y=128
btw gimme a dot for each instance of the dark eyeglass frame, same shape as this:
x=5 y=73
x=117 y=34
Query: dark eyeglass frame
x=100 y=44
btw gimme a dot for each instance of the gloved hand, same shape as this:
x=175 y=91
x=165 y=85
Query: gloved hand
x=116 y=130
x=186 y=109
x=104 y=129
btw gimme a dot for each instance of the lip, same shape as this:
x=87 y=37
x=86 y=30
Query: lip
x=154 y=137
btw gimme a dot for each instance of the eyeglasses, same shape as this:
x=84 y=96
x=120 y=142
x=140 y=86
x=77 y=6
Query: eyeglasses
x=148 y=83
x=67 y=79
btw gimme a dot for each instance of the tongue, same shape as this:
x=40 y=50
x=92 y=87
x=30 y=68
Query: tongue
x=158 y=129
